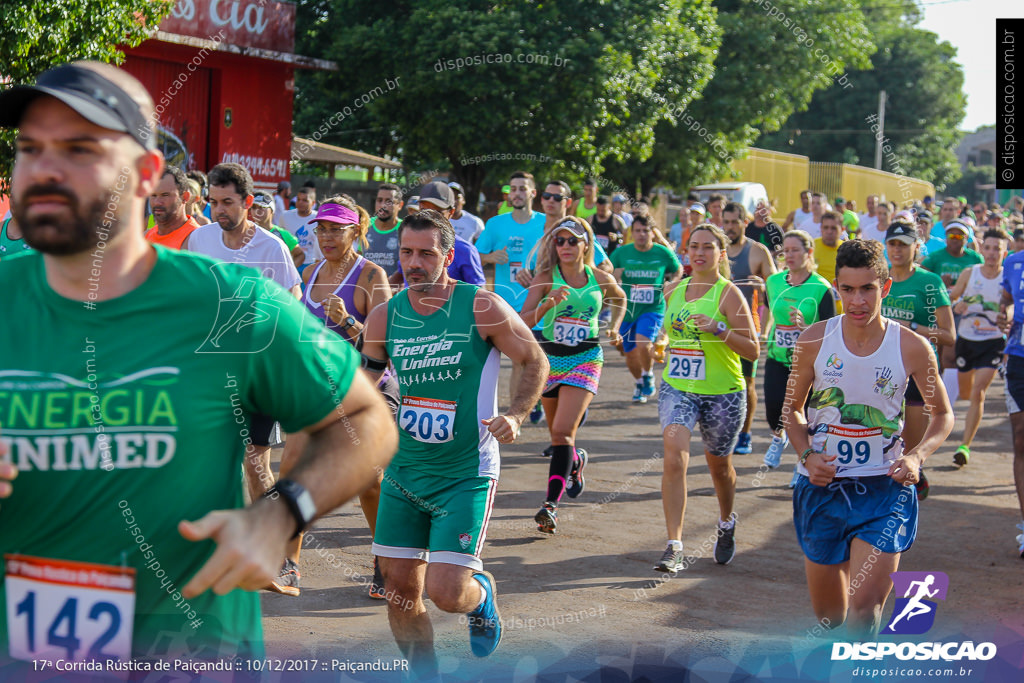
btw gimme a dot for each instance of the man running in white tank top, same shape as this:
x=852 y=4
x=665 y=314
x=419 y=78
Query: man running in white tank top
x=854 y=506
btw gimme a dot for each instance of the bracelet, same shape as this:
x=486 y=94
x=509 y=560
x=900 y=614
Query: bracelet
x=806 y=454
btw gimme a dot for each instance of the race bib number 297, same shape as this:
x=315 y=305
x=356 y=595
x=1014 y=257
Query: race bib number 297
x=58 y=609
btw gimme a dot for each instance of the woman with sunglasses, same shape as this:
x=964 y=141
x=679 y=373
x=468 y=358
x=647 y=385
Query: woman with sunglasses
x=565 y=298
x=341 y=290
x=797 y=297
x=709 y=329
x=642 y=267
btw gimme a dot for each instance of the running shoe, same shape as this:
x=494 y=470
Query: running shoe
x=638 y=395
x=1020 y=540
x=485 y=621
x=743 y=446
x=773 y=457
x=548 y=452
x=796 y=478
x=287 y=582
x=377 y=585
x=576 y=483
x=962 y=456
x=671 y=560
x=547 y=518
x=648 y=385
x=536 y=414
x=922 y=487
x=725 y=546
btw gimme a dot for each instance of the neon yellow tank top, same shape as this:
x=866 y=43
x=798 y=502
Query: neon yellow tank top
x=699 y=362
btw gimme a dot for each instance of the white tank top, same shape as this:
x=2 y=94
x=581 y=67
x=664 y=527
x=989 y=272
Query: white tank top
x=800 y=216
x=982 y=298
x=856 y=407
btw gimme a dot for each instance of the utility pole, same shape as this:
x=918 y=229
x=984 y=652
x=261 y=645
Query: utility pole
x=881 y=130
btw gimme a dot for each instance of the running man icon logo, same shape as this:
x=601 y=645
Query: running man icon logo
x=914 y=613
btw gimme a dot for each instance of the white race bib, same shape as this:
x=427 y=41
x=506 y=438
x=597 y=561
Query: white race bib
x=785 y=336
x=513 y=270
x=570 y=331
x=641 y=294
x=58 y=609
x=430 y=420
x=686 y=364
x=854 y=447
x=602 y=240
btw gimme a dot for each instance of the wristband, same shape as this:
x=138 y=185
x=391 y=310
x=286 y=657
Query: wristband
x=374 y=365
x=806 y=454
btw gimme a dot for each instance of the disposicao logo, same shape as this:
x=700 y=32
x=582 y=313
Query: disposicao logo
x=914 y=614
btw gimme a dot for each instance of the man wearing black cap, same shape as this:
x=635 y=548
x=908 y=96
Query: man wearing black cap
x=467 y=226
x=146 y=417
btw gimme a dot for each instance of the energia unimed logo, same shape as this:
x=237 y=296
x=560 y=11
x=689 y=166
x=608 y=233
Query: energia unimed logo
x=914 y=614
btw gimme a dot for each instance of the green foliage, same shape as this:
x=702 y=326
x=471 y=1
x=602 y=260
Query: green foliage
x=924 y=87
x=41 y=35
x=966 y=184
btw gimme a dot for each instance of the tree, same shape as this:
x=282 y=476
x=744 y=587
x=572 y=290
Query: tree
x=774 y=56
x=487 y=86
x=41 y=35
x=924 y=87
x=967 y=184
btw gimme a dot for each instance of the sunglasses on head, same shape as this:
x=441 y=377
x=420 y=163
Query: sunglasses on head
x=550 y=195
x=571 y=241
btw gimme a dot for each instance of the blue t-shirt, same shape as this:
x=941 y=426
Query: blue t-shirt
x=466 y=266
x=932 y=245
x=503 y=232
x=1013 y=283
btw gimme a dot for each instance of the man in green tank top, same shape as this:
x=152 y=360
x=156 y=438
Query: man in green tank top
x=148 y=362
x=444 y=339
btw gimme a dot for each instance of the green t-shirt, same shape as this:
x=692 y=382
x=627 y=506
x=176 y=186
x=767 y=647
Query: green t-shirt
x=643 y=274
x=285 y=236
x=9 y=248
x=941 y=262
x=808 y=296
x=126 y=416
x=850 y=221
x=574 y=320
x=915 y=299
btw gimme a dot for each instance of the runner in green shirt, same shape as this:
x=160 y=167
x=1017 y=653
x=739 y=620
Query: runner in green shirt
x=125 y=401
x=12 y=246
x=642 y=267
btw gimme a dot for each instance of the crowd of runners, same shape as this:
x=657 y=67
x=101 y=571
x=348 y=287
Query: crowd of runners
x=368 y=342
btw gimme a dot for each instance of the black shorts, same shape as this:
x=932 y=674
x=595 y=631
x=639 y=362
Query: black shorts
x=263 y=431
x=975 y=355
x=748 y=368
x=913 y=396
x=1014 y=384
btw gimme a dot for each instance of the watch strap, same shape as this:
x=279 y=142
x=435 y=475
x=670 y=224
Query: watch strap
x=299 y=501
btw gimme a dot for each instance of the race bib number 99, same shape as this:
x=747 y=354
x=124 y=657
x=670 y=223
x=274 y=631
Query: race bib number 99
x=641 y=294
x=57 y=609
x=686 y=364
x=430 y=420
x=570 y=331
x=786 y=336
x=855 y=447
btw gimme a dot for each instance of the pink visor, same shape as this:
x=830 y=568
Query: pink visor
x=336 y=213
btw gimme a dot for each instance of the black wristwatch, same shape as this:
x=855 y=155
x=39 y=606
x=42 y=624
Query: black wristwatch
x=298 y=500
x=348 y=322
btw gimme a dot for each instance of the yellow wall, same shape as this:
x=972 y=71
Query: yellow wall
x=859 y=182
x=783 y=175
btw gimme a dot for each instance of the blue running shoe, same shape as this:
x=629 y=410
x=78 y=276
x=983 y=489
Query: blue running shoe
x=774 y=455
x=484 y=621
x=576 y=482
x=648 y=385
x=743 y=446
x=536 y=414
x=796 y=478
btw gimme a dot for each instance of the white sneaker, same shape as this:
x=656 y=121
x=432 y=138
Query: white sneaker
x=774 y=455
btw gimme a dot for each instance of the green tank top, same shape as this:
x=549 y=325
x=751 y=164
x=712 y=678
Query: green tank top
x=574 y=320
x=783 y=299
x=11 y=247
x=699 y=362
x=583 y=212
x=448 y=377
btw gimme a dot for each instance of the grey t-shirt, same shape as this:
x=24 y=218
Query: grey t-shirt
x=383 y=247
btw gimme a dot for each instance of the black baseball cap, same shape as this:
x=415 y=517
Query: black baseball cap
x=95 y=98
x=901 y=231
x=438 y=193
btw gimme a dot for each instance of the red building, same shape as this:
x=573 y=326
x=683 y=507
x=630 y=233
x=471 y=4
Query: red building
x=221 y=73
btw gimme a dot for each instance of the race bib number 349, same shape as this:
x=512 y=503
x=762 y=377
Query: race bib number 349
x=570 y=331
x=58 y=609
x=430 y=420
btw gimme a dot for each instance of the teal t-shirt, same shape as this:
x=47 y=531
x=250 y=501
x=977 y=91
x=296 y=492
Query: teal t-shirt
x=643 y=277
x=9 y=248
x=125 y=417
x=941 y=262
x=915 y=299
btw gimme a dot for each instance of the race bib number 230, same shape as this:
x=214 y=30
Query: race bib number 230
x=58 y=609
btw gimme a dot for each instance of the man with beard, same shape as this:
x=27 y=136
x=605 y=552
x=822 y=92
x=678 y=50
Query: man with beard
x=445 y=339
x=750 y=264
x=168 y=201
x=608 y=228
x=105 y=319
x=382 y=237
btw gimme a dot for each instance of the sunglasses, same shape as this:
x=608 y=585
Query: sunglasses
x=571 y=241
x=556 y=197
x=331 y=232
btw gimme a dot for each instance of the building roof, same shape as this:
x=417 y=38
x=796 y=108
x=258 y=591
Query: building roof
x=322 y=153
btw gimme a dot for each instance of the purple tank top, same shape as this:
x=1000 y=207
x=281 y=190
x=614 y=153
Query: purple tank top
x=346 y=291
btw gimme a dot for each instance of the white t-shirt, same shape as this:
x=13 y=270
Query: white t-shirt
x=810 y=227
x=800 y=217
x=868 y=224
x=279 y=206
x=468 y=227
x=264 y=252
x=872 y=232
x=300 y=228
